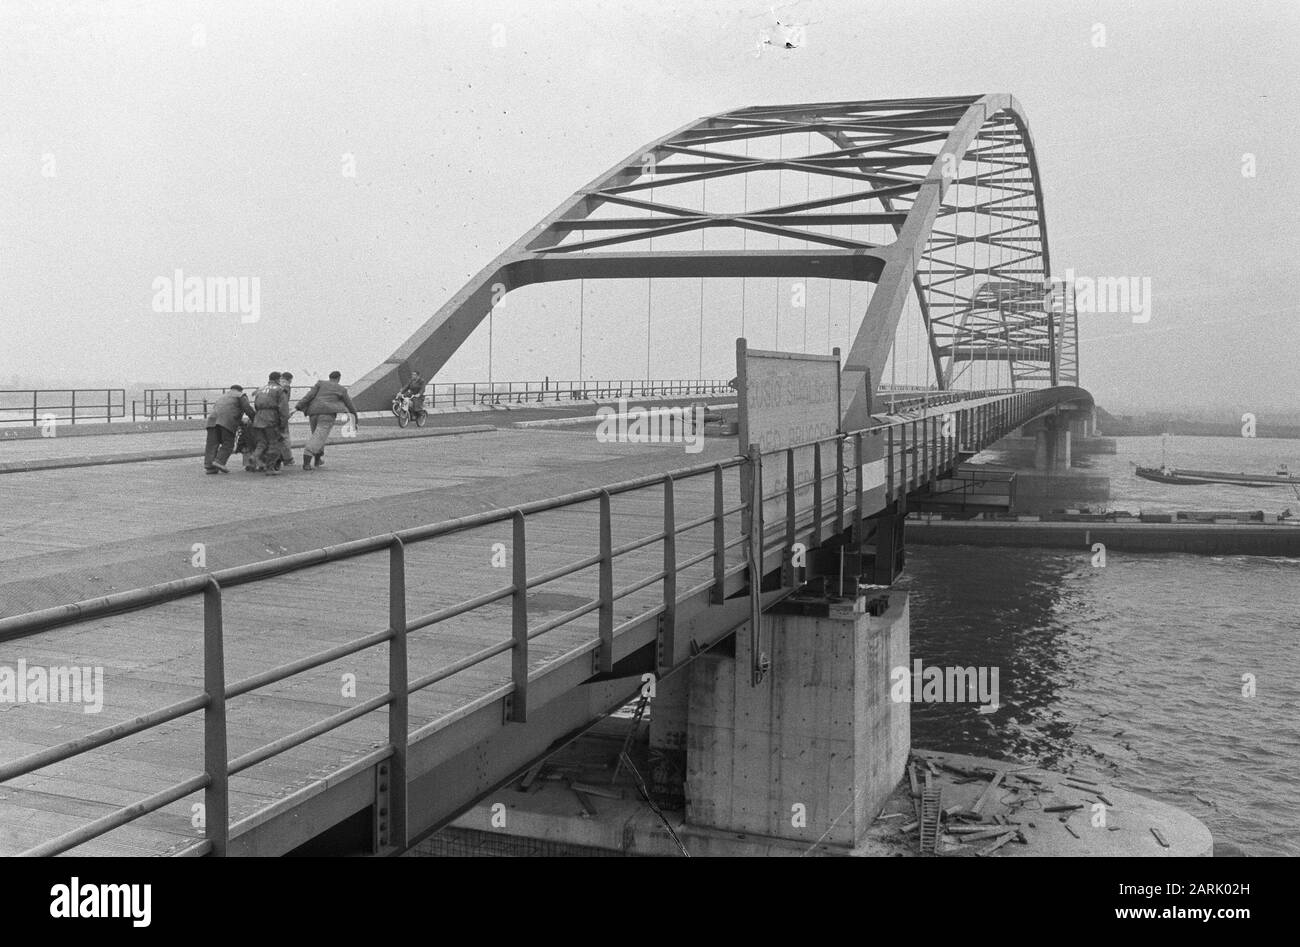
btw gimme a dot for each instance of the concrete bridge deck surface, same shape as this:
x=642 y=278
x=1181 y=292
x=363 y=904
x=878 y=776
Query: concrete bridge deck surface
x=80 y=532
x=91 y=444
x=75 y=533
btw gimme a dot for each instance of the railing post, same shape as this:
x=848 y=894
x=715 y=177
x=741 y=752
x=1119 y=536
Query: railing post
x=398 y=682
x=757 y=547
x=74 y=405
x=667 y=636
x=35 y=423
x=519 y=621
x=915 y=455
x=789 y=505
x=839 y=484
x=718 y=592
x=927 y=435
x=890 y=465
x=216 y=794
x=606 y=580
x=857 y=485
x=817 y=494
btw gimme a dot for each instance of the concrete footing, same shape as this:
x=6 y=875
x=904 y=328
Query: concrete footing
x=1092 y=817
x=811 y=759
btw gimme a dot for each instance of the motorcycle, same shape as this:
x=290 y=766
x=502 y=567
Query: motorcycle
x=404 y=411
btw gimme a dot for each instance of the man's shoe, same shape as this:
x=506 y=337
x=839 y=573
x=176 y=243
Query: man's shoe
x=320 y=460
x=220 y=466
x=211 y=470
x=271 y=472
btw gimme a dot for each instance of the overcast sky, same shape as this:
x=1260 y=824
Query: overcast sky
x=141 y=138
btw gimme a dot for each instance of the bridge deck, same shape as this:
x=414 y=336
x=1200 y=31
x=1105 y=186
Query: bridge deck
x=67 y=530
x=74 y=534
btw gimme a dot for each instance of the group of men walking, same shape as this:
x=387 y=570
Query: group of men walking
x=263 y=423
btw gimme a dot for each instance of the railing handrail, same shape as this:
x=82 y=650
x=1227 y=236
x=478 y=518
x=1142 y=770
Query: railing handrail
x=996 y=415
x=109 y=408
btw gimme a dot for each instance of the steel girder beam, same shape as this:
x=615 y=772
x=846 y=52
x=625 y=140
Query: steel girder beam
x=896 y=155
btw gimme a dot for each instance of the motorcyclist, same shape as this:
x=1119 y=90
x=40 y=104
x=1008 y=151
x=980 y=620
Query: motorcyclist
x=415 y=388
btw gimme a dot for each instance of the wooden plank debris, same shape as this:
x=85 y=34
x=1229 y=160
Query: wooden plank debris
x=588 y=807
x=1001 y=840
x=984 y=798
x=1064 y=808
x=1069 y=829
x=527 y=782
x=1159 y=838
x=590 y=790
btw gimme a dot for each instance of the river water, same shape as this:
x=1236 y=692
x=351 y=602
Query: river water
x=1134 y=671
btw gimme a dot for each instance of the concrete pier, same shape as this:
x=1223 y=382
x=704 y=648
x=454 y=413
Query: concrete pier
x=1051 y=445
x=811 y=752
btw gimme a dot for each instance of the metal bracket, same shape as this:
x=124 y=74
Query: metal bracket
x=507 y=708
x=383 y=806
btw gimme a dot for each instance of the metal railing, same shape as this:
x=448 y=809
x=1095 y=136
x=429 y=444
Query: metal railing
x=174 y=404
x=888 y=398
x=39 y=405
x=912 y=451
x=549 y=390
x=178 y=404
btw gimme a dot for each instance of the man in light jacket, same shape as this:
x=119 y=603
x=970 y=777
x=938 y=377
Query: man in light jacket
x=322 y=405
x=223 y=421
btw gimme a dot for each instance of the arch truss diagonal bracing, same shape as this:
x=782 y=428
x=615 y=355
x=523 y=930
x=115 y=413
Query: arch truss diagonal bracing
x=935 y=201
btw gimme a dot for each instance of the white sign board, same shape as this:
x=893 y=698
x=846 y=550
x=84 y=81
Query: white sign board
x=787 y=399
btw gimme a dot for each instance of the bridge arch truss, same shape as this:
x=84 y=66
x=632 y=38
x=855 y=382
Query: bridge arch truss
x=935 y=201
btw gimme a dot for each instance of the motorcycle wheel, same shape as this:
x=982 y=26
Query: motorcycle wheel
x=403 y=418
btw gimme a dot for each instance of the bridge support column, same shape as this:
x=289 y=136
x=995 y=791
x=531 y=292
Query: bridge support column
x=814 y=750
x=1052 y=447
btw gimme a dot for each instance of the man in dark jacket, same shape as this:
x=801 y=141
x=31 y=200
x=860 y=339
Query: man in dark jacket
x=272 y=412
x=286 y=451
x=322 y=405
x=223 y=421
x=415 y=388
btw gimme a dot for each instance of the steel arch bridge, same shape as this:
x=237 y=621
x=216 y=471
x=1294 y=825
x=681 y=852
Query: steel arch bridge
x=941 y=208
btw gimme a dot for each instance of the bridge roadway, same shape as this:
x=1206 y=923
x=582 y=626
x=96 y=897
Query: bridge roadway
x=79 y=534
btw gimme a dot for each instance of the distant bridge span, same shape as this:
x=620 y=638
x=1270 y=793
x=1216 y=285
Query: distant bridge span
x=911 y=164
